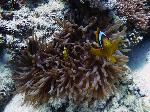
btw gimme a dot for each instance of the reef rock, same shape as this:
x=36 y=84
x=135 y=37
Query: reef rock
x=27 y=20
x=109 y=4
x=6 y=86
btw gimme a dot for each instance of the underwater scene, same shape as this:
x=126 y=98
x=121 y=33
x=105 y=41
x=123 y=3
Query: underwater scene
x=74 y=55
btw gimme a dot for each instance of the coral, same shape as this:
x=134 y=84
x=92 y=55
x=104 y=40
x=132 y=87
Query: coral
x=26 y=20
x=66 y=66
x=101 y=3
x=135 y=12
x=6 y=85
x=9 y=4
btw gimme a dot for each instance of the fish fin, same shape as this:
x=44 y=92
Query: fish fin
x=97 y=52
x=106 y=42
x=113 y=59
x=115 y=45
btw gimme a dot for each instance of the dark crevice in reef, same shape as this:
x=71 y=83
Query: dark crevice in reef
x=33 y=3
x=26 y=32
x=81 y=12
x=9 y=5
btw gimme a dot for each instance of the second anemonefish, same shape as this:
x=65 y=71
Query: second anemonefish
x=65 y=53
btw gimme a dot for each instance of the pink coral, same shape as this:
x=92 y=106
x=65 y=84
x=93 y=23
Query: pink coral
x=135 y=12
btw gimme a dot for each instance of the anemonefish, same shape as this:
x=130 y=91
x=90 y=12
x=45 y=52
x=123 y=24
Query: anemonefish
x=65 y=53
x=107 y=50
x=101 y=36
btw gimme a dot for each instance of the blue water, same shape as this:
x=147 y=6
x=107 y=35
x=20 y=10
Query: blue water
x=138 y=54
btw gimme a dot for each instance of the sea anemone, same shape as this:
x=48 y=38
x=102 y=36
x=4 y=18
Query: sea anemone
x=67 y=66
